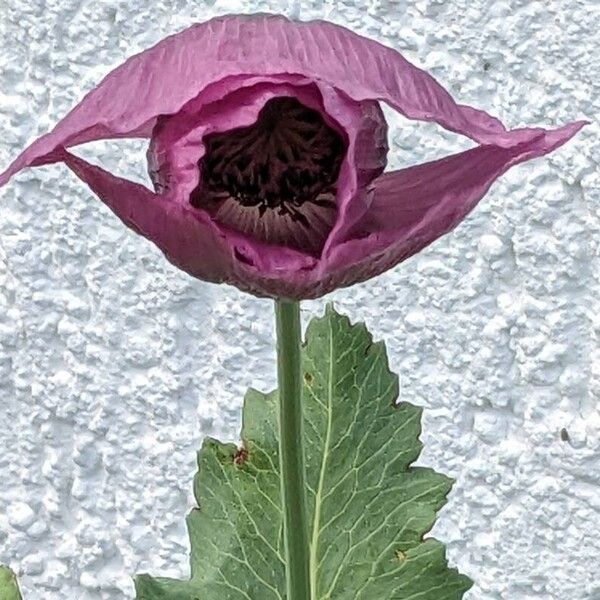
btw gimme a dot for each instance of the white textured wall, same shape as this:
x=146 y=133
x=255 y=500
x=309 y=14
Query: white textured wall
x=113 y=365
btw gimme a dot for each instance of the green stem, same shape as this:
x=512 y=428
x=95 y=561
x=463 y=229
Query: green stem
x=291 y=449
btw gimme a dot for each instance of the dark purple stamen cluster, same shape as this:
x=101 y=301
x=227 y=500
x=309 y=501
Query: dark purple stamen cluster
x=284 y=165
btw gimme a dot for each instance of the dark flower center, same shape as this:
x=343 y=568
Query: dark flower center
x=276 y=179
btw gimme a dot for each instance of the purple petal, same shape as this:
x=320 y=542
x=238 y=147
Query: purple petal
x=415 y=206
x=187 y=242
x=191 y=243
x=163 y=79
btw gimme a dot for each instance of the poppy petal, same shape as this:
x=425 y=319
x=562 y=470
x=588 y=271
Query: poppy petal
x=413 y=207
x=163 y=79
x=190 y=242
x=184 y=240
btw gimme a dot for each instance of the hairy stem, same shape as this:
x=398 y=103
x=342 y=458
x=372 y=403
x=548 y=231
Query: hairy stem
x=291 y=450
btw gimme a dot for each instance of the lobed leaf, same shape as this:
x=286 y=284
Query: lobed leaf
x=369 y=509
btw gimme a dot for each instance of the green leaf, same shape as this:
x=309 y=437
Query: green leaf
x=9 y=589
x=369 y=509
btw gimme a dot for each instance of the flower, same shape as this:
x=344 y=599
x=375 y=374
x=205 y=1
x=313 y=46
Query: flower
x=267 y=154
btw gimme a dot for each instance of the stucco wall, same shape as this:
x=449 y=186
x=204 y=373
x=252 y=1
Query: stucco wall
x=113 y=365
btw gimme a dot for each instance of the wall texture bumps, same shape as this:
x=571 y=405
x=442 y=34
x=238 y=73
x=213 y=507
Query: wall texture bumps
x=113 y=365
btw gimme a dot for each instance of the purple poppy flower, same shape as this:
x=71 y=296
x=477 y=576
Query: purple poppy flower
x=267 y=151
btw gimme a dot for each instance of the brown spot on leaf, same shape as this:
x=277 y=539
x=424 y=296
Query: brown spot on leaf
x=308 y=378
x=241 y=456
